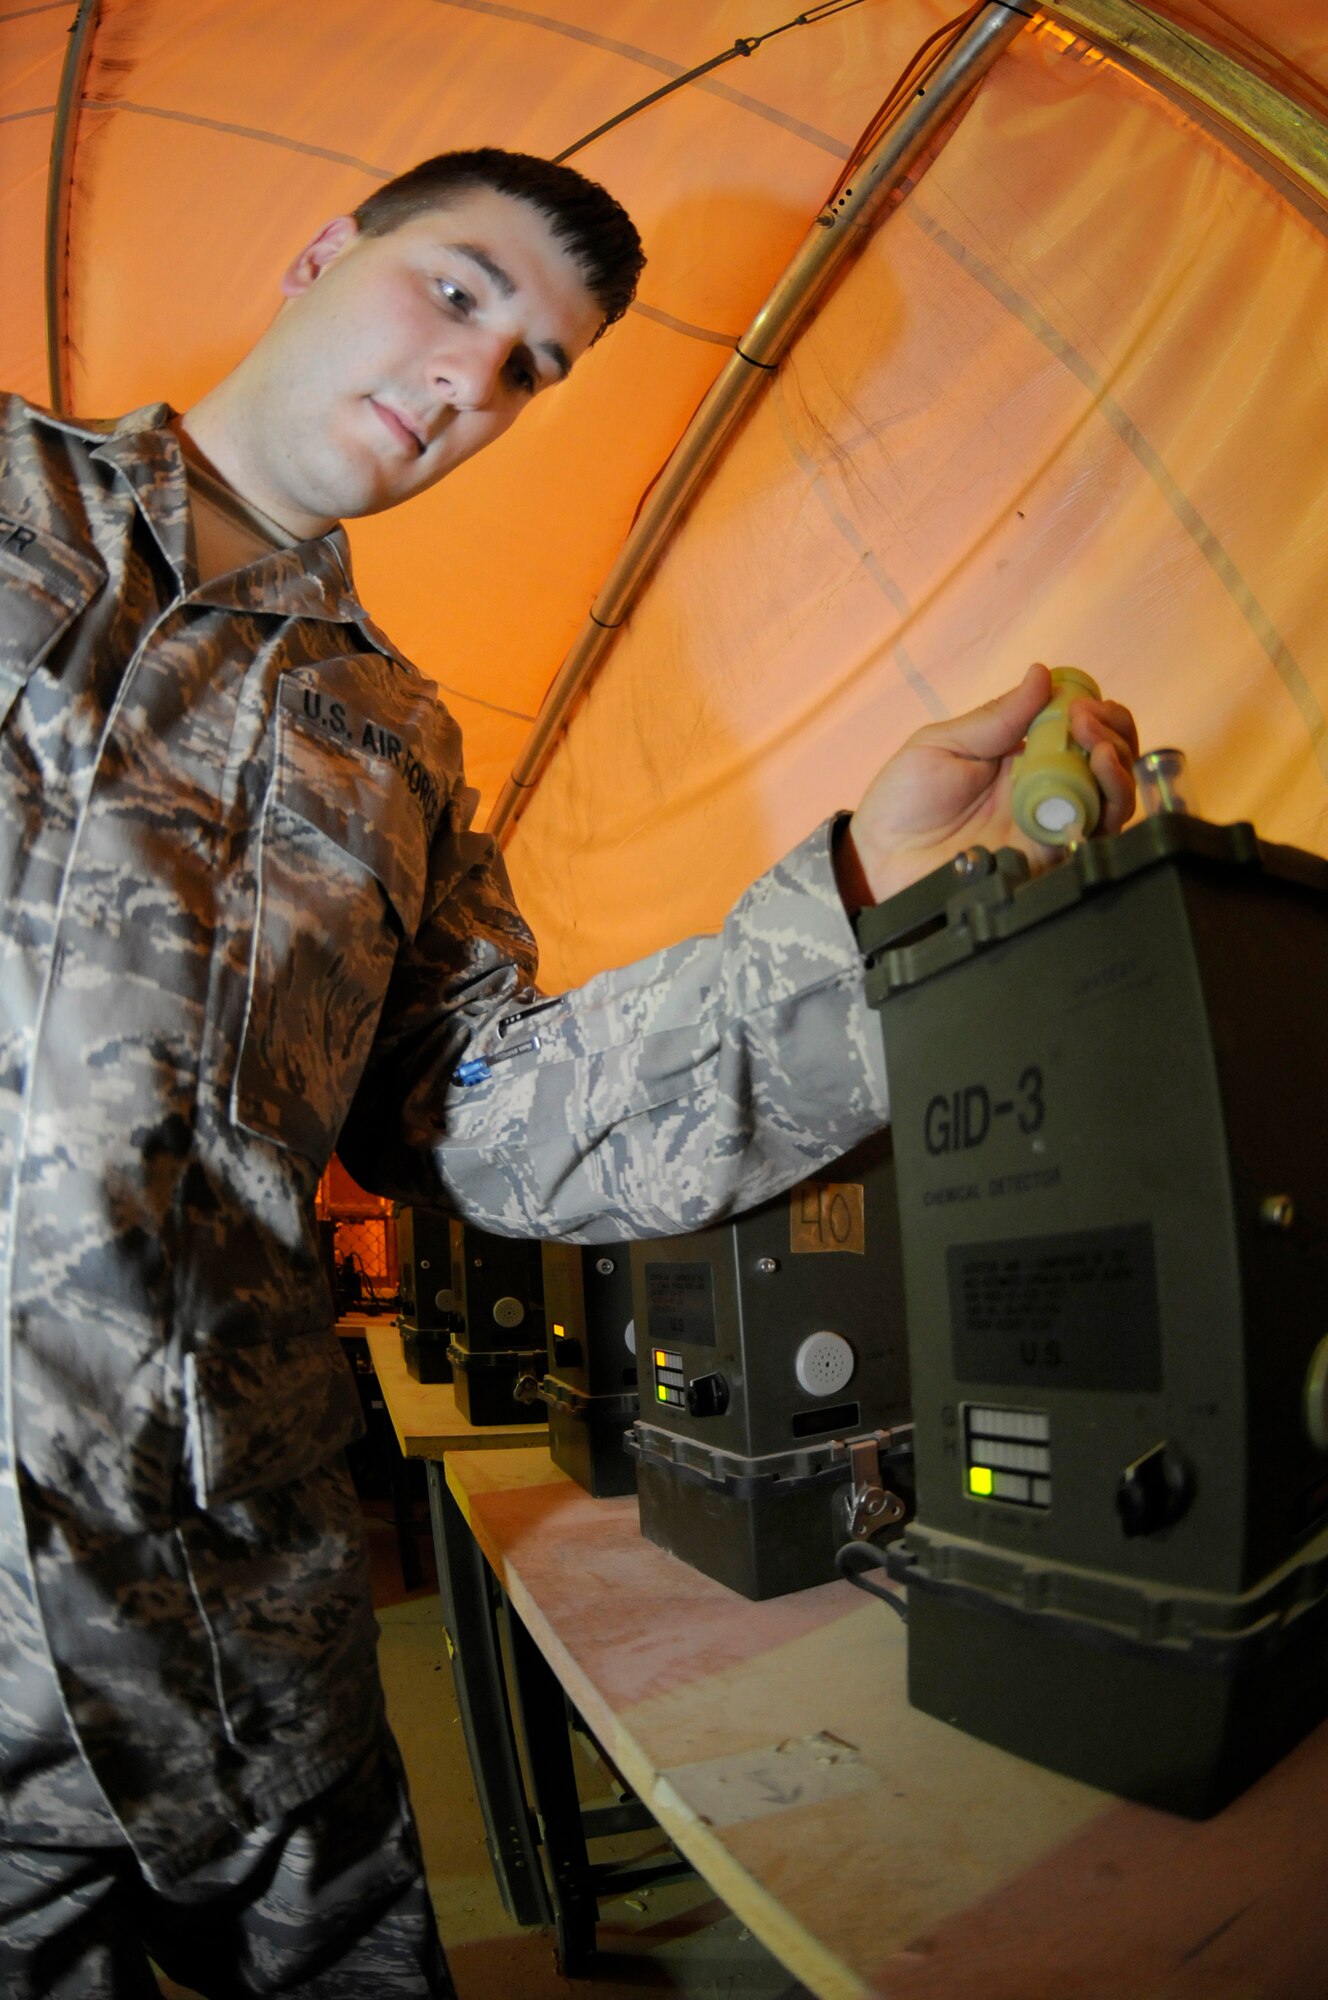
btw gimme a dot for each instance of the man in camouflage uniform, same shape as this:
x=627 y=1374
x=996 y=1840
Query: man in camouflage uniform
x=245 y=918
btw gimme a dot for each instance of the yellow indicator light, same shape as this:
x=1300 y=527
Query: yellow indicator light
x=663 y=1394
x=979 y=1479
x=661 y=1360
x=559 y=1332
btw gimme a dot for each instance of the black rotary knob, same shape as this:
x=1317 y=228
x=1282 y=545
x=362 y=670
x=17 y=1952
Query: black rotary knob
x=707 y=1396
x=1155 y=1491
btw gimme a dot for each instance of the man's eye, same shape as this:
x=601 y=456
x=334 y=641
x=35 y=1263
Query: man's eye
x=455 y=296
x=522 y=376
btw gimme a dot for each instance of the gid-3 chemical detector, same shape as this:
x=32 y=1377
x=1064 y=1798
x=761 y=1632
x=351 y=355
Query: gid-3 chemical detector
x=772 y=1351
x=1109 y=1089
x=589 y=1387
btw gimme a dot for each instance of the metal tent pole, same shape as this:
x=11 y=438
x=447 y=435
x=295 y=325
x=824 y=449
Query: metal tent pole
x=837 y=233
x=57 y=200
x=1287 y=134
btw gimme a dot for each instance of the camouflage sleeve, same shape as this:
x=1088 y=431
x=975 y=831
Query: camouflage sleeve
x=654 y=1099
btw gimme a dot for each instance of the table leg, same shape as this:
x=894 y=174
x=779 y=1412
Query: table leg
x=486 y=1720
x=403 y=1514
x=548 y=1744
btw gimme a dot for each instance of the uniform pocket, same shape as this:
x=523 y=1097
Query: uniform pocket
x=280 y=1582
x=46 y=586
x=259 y=1417
x=343 y=863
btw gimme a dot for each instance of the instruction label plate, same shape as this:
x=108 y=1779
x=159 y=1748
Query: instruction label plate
x=1073 y=1311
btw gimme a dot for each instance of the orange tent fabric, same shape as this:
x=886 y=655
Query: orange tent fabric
x=1068 y=404
x=1063 y=408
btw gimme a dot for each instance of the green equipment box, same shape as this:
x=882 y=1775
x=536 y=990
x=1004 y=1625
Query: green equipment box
x=497 y=1350
x=589 y=1388
x=768 y=1346
x=1109 y=1090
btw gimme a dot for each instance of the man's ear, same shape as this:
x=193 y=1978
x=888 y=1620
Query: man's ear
x=331 y=240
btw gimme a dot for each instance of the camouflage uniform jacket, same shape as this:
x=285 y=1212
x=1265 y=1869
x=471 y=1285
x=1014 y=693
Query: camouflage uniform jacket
x=242 y=909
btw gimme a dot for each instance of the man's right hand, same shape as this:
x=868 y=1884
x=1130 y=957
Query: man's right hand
x=949 y=786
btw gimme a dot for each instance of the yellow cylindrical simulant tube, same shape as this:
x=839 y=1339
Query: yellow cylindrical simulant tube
x=1056 y=798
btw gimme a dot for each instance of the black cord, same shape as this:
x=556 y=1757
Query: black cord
x=911 y=79
x=745 y=45
x=369 y=1295
x=854 y=1559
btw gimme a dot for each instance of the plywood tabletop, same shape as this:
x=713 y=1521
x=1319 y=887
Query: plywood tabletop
x=425 y=1416
x=876 y=1851
x=354 y=1326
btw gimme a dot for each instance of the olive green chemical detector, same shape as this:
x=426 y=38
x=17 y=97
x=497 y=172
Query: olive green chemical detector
x=773 y=1361
x=1108 y=1086
x=1056 y=799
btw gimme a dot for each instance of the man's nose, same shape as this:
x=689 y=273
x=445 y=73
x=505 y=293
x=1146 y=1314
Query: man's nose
x=473 y=367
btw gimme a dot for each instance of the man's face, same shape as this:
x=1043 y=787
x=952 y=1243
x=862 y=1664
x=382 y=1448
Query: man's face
x=397 y=357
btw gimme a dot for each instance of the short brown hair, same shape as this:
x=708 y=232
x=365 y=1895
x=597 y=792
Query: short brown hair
x=596 y=230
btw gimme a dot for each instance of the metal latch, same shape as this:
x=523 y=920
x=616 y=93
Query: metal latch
x=870 y=1505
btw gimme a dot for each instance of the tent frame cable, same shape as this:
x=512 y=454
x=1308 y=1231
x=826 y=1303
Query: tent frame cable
x=1280 y=130
x=746 y=45
x=838 y=232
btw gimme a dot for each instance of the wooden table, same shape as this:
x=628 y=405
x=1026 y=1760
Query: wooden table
x=379 y=1444
x=425 y=1416
x=429 y=1426
x=873 y=1849
x=424 y=1419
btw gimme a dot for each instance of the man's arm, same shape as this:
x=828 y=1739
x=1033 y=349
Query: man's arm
x=653 y=1099
x=662 y=1096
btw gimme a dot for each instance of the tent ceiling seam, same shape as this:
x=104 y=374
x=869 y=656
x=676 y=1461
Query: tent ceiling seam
x=478 y=701
x=630 y=52
x=825 y=142
x=683 y=326
x=254 y=132
x=1119 y=23
x=1150 y=460
x=43 y=7
x=746 y=45
x=260 y=135
x=870 y=563
x=836 y=233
